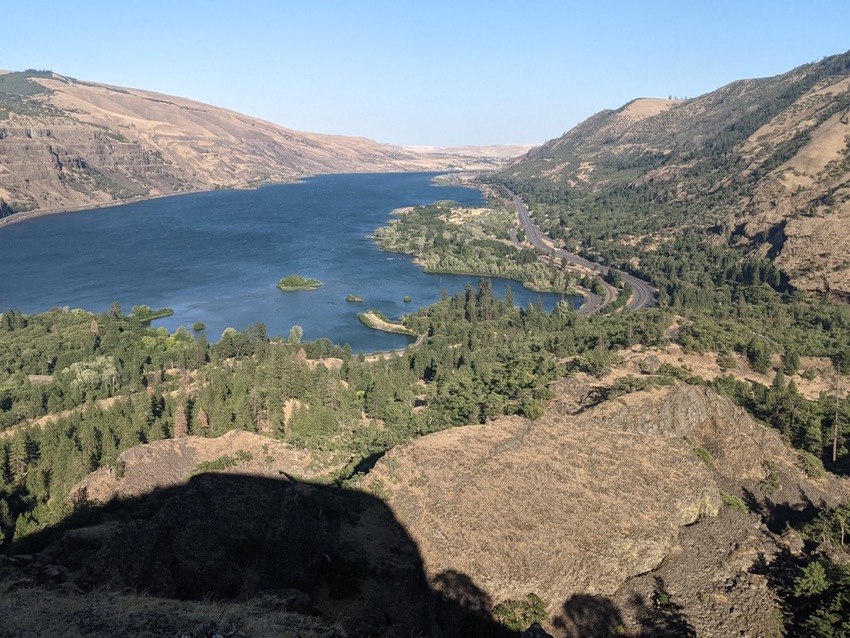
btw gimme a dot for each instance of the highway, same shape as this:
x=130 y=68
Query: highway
x=643 y=295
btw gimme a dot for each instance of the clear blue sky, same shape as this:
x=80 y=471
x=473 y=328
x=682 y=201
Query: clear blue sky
x=423 y=73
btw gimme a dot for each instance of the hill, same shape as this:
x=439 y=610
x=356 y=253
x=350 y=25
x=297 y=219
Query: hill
x=66 y=143
x=574 y=507
x=764 y=162
x=596 y=512
x=581 y=471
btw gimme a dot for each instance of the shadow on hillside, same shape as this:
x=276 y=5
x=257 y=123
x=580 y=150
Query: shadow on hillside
x=779 y=516
x=336 y=553
x=587 y=616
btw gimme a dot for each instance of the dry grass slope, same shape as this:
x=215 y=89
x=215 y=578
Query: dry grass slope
x=80 y=144
x=578 y=505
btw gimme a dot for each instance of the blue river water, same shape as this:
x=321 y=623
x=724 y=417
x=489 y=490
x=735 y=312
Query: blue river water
x=215 y=258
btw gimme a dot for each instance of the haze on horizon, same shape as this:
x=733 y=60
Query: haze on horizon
x=438 y=73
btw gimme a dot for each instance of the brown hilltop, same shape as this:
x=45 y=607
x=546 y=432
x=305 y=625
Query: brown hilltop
x=575 y=507
x=145 y=469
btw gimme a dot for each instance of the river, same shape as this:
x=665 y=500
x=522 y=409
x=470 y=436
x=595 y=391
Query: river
x=215 y=258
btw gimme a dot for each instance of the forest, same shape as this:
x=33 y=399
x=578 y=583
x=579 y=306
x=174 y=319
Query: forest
x=109 y=382
x=447 y=238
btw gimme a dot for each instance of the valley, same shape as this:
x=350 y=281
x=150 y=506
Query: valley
x=668 y=458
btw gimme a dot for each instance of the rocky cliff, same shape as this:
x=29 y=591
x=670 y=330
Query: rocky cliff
x=576 y=507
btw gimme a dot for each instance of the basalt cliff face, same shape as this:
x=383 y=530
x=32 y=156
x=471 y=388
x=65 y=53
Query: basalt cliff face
x=597 y=513
x=66 y=144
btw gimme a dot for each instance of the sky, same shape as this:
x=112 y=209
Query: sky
x=426 y=73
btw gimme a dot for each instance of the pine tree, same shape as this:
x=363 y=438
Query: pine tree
x=181 y=423
x=203 y=421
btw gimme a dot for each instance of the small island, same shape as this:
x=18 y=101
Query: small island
x=353 y=298
x=297 y=282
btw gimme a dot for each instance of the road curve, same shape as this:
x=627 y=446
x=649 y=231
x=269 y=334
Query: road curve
x=643 y=295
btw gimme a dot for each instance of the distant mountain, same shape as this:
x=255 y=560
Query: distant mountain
x=496 y=151
x=765 y=161
x=65 y=143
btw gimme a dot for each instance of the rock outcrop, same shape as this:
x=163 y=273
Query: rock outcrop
x=575 y=507
x=657 y=511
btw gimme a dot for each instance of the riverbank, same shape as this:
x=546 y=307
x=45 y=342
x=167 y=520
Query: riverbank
x=448 y=238
x=44 y=212
x=232 y=248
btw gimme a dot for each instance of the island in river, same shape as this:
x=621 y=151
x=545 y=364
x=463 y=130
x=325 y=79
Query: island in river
x=297 y=282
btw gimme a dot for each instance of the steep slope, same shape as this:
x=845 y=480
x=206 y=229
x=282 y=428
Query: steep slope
x=571 y=507
x=185 y=535
x=767 y=160
x=600 y=512
x=66 y=143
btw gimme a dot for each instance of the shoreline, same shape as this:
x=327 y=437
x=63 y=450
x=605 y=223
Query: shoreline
x=371 y=319
x=44 y=212
x=418 y=260
x=14 y=218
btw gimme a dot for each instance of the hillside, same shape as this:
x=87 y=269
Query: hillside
x=765 y=162
x=601 y=509
x=66 y=143
x=574 y=507
x=676 y=471
x=512 y=452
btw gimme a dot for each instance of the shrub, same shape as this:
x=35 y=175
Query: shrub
x=734 y=502
x=518 y=615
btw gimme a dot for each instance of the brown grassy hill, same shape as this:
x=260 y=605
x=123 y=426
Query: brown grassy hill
x=193 y=536
x=573 y=507
x=145 y=469
x=65 y=143
x=766 y=160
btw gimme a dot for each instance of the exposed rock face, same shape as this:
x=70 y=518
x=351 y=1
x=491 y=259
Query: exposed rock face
x=715 y=583
x=671 y=414
x=66 y=143
x=560 y=505
x=574 y=507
